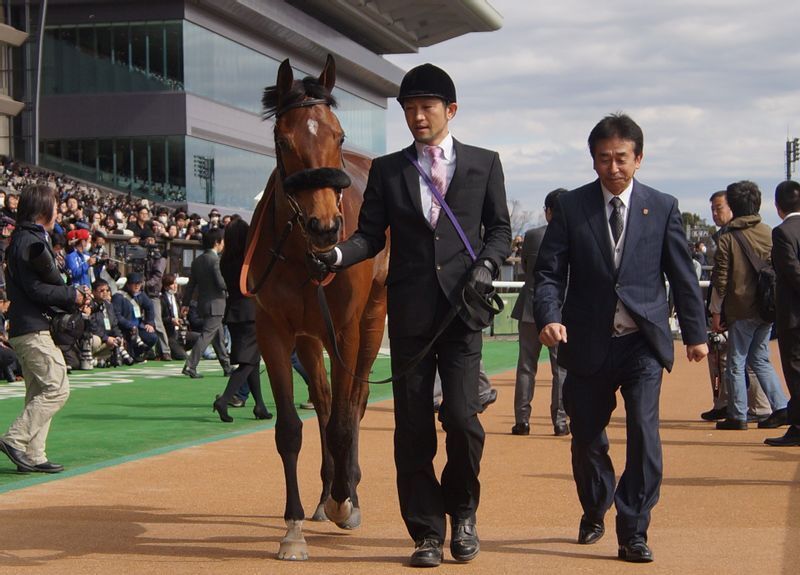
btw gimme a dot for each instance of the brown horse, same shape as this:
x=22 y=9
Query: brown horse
x=309 y=205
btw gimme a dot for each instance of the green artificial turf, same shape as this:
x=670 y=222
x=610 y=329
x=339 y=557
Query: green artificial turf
x=115 y=415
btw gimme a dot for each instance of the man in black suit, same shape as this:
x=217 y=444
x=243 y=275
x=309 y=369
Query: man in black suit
x=529 y=345
x=610 y=245
x=786 y=261
x=206 y=278
x=429 y=266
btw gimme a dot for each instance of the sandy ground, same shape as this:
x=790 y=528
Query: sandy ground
x=729 y=504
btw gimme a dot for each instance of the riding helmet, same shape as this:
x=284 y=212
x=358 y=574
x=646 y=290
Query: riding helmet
x=427 y=81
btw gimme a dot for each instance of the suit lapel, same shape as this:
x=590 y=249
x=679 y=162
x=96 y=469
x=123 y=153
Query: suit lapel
x=411 y=177
x=595 y=210
x=460 y=174
x=637 y=214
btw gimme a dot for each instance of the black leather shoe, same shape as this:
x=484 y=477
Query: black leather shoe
x=590 y=531
x=754 y=418
x=635 y=551
x=261 y=412
x=427 y=553
x=521 y=429
x=788 y=439
x=191 y=373
x=490 y=398
x=715 y=414
x=561 y=430
x=46 y=467
x=236 y=402
x=732 y=424
x=221 y=407
x=17 y=457
x=779 y=418
x=464 y=542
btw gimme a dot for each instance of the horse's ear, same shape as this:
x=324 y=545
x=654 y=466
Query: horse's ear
x=328 y=76
x=285 y=78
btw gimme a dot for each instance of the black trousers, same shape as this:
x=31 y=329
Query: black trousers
x=632 y=368
x=789 y=347
x=424 y=500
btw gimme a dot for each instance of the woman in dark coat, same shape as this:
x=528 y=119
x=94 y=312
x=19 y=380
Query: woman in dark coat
x=240 y=316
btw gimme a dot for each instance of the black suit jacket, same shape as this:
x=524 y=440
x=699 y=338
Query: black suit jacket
x=239 y=309
x=425 y=262
x=577 y=249
x=207 y=279
x=786 y=261
x=523 y=308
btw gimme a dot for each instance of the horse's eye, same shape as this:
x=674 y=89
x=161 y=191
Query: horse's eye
x=282 y=143
x=341 y=140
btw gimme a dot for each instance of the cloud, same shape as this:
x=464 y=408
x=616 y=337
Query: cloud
x=713 y=83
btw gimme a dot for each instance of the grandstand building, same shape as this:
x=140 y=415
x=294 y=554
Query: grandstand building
x=162 y=98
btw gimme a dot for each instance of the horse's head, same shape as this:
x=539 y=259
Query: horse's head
x=308 y=146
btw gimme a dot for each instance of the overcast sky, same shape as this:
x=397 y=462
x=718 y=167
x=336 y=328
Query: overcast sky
x=714 y=84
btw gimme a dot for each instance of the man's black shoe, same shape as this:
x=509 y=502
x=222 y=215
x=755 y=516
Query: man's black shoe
x=427 y=553
x=779 y=418
x=490 y=398
x=715 y=414
x=635 y=551
x=521 y=429
x=732 y=424
x=788 y=439
x=236 y=402
x=191 y=373
x=561 y=429
x=755 y=418
x=17 y=457
x=590 y=531
x=46 y=467
x=464 y=543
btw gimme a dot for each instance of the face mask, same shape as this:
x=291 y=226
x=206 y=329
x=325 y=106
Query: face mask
x=703 y=249
x=163 y=219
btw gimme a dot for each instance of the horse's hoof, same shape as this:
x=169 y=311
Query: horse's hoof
x=293 y=545
x=319 y=514
x=338 y=512
x=353 y=522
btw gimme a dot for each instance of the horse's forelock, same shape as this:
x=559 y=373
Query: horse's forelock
x=308 y=87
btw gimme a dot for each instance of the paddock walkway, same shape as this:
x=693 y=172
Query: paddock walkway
x=729 y=504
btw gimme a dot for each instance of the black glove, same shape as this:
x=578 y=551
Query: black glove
x=480 y=277
x=321 y=264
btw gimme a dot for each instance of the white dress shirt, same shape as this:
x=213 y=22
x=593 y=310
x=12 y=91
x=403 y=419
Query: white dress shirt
x=623 y=322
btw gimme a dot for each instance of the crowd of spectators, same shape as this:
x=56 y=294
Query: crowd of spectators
x=133 y=317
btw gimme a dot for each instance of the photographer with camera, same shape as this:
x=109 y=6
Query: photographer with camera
x=179 y=334
x=36 y=291
x=108 y=344
x=135 y=315
x=154 y=265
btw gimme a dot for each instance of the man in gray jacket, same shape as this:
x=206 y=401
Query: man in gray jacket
x=529 y=345
x=211 y=296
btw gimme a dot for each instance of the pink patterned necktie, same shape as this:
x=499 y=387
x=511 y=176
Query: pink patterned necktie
x=439 y=178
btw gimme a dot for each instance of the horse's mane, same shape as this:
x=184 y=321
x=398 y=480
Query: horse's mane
x=308 y=87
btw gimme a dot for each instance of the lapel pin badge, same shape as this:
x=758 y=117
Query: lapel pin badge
x=645 y=211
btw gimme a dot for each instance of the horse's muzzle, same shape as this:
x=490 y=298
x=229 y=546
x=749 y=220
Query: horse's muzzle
x=323 y=236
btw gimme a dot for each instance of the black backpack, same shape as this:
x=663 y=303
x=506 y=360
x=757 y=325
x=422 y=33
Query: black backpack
x=765 y=279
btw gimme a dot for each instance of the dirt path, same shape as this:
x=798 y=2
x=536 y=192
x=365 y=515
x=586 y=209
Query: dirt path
x=729 y=504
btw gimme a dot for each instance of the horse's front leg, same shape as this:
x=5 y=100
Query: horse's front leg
x=342 y=432
x=309 y=350
x=276 y=348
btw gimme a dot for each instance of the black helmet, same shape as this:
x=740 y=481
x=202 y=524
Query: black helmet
x=427 y=81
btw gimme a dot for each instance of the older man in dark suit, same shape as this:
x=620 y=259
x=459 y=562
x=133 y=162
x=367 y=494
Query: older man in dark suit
x=610 y=245
x=429 y=266
x=206 y=278
x=786 y=261
x=529 y=345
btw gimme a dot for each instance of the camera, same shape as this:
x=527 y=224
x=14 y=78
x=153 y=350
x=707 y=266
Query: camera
x=85 y=356
x=120 y=356
x=139 y=346
x=716 y=339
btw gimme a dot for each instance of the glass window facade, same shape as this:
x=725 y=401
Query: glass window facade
x=224 y=175
x=127 y=57
x=175 y=56
x=152 y=167
x=165 y=168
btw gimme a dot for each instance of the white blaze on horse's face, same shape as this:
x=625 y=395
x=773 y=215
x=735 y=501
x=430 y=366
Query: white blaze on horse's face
x=312 y=126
